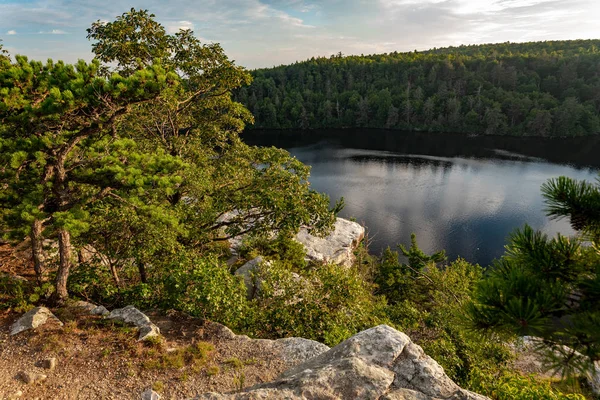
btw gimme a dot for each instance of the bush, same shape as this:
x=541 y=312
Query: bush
x=506 y=385
x=328 y=304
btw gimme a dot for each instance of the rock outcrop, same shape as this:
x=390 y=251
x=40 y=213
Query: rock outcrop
x=379 y=363
x=133 y=316
x=32 y=319
x=292 y=351
x=338 y=247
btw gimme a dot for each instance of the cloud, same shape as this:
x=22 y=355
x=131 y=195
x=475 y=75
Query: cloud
x=11 y=32
x=180 y=25
x=53 y=32
x=259 y=33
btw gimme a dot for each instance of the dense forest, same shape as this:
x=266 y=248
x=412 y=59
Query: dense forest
x=540 y=89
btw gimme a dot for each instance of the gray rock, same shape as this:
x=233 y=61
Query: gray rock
x=92 y=308
x=150 y=394
x=133 y=316
x=48 y=363
x=594 y=379
x=249 y=272
x=31 y=377
x=100 y=310
x=298 y=350
x=379 y=363
x=338 y=247
x=32 y=319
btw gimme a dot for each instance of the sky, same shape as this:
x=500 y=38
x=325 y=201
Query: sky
x=263 y=33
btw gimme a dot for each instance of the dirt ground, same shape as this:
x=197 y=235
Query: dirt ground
x=98 y=359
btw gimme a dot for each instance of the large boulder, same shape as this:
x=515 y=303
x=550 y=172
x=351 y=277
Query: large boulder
x=292 y=351
x=32 y=319
x=379 y=363
x=338 y=247
x=133 y=316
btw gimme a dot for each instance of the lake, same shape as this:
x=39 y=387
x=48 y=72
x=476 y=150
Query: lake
x=458 y=193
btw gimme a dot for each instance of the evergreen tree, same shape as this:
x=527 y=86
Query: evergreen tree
x=550 y=288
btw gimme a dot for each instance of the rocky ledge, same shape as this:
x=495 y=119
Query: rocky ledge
x=379 y=363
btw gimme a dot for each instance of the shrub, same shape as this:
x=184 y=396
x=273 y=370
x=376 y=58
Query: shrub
x=329 y=303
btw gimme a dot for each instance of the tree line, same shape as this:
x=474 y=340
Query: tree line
x=547 y=88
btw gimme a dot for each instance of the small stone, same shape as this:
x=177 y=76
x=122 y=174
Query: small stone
x=16 y=395
x=49 y=363
x=150 y=394
x=29 y=377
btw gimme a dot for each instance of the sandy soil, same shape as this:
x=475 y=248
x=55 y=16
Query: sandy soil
x=102 y=360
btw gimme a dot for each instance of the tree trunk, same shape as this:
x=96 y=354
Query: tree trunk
x=142 y=270
x=37 y=251
x=115 y=273
x=64 y=248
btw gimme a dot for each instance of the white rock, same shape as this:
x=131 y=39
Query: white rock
x=298 y=350
x=338 y=247
x=32 y=319
x=150 y=394
x=133 y=316
x=379 y=363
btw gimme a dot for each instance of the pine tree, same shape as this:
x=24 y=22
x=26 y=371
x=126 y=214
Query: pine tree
x=550 y=287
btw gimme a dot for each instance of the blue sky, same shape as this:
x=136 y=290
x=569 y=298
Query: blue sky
x=260 y=33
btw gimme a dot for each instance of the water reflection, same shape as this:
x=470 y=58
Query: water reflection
x=465 y=204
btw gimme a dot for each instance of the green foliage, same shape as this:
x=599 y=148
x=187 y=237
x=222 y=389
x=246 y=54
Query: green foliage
x=426 y=299
x=539 y=89
x=511 y=386
x=205 y=288
x=329 y=303
x=21 y=295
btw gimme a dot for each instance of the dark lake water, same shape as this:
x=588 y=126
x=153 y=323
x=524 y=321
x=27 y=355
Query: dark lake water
x=461 y=194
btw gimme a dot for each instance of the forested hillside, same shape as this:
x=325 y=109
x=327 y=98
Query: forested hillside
x=541 y=89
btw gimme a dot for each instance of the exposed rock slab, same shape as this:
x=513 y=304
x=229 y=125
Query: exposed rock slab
x=32 y=319
x=338 y=247
x=133 y=316
x=379 y=363
x=292 y=351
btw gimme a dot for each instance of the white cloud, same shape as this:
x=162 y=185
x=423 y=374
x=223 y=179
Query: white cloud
x=53 y=32
x=180 y=25
x=11 y=32
x=260 y=33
